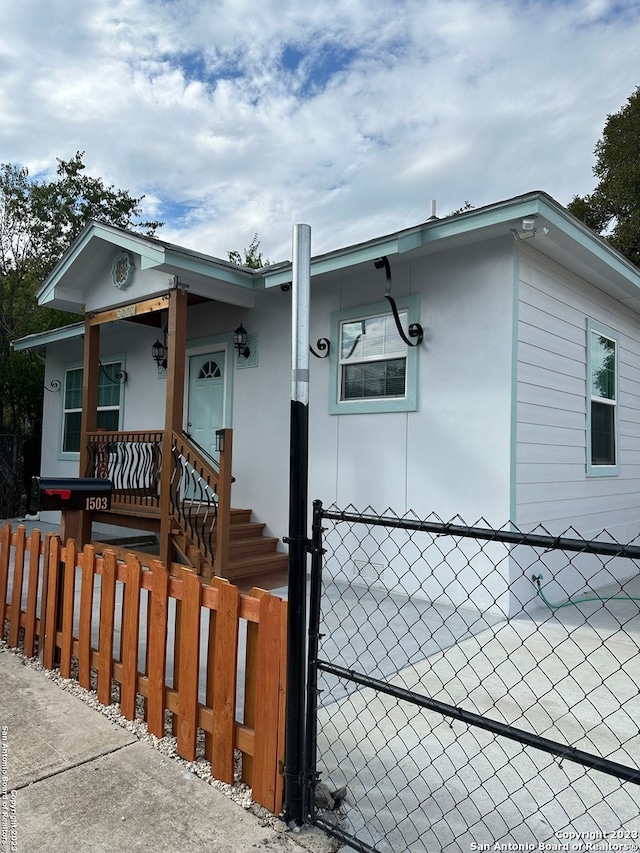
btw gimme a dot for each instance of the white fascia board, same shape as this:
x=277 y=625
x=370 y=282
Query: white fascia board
x=412 y=238
x=151 y=255
x=596 y=245
x=211 y=268
x=334 y=261
x=497 y=218
x=222 y=292
x=461 y=224
x=66 y=299
x=557 y=219
x=41 y=339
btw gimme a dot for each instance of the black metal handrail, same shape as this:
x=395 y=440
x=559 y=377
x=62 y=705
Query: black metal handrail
x=131 y=460
x=209 y=458
x=193 y=497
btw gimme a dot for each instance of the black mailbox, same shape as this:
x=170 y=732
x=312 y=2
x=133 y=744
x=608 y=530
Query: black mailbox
x=80 y=493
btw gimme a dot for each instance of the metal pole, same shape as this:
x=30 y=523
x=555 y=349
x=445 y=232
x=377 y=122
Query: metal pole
x=298 y=540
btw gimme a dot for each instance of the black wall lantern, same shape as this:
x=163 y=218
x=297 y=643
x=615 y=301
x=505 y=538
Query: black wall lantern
x=159 y=351
x=240 y=341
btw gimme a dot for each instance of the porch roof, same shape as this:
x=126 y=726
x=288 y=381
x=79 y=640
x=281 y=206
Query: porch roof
x=39 y=340
x=67 y=286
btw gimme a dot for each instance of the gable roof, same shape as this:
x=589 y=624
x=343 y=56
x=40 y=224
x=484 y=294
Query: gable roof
x=559 y=235
x=205 y=275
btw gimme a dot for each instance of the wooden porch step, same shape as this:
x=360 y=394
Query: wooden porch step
x=251 y=553
x=249 y=547
x=246 y=530
x=256 y=565
x=240 y=516
x=138 y=518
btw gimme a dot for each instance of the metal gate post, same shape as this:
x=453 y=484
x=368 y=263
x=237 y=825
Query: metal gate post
x=311 y=730
x=298 y=540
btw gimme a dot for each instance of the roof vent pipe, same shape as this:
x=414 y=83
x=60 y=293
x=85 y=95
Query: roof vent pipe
x=433 y=210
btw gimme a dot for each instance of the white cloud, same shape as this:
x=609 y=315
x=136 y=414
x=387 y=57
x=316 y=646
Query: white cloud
x=190 y=103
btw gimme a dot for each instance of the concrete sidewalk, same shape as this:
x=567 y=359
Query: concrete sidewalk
x=83 y=783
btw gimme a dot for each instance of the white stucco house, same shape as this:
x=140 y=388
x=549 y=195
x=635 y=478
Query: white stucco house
x=520 y=403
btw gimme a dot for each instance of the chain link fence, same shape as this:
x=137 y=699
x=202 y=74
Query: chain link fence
x=472 y=687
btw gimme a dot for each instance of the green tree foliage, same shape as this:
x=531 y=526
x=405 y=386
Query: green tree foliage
x=252 y=256
x=613 y=208
x=465 y=207
x=38 y=222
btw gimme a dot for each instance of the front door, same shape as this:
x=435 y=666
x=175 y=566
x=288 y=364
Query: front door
x=205 y=406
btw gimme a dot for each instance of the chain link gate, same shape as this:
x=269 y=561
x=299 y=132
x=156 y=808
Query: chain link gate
x=471 y=688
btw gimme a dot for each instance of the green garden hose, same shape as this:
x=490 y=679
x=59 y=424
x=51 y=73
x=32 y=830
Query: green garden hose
x=537 y=578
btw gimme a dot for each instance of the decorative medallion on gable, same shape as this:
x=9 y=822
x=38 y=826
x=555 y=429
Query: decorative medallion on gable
x=122 y=270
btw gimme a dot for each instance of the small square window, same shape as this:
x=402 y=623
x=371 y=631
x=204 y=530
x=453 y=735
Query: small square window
x=366 y=370
x=375 y=370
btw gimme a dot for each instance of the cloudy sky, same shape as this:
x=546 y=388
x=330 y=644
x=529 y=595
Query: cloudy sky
x=242 y=116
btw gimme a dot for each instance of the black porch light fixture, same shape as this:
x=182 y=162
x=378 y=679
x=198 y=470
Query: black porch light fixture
x=240 y=341
x=159 y=351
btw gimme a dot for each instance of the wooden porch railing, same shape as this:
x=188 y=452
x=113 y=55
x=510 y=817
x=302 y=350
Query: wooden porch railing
x=133 y=463
x=199 y=495
x=195 y=682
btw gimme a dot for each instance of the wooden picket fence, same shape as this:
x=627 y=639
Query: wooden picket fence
x=49 y=577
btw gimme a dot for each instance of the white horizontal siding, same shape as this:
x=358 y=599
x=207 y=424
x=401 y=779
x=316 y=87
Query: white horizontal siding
x=613 y=489
x=548 y=473
x=552 y=486
x=541 y=379
x=552 y=415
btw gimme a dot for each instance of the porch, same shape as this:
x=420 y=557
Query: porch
x=205 y=534
x=165 y=483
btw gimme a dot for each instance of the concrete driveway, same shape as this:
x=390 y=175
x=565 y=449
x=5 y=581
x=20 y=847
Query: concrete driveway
x=420 y=781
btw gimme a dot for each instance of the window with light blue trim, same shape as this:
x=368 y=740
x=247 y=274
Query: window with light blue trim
x=109 y=403
x=373 y=370
x=602 y=401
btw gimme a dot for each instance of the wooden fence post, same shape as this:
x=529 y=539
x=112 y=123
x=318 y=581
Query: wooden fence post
x=86 y=614
x=5 y=552
x=157 y=650
x=16 y=589
x=222 y=671
x=189 y=660
x=50 y=603
x=32 y=593
x=105 y=641
x=130 y=630
x=67 y=598
x=267 y=724
x=282 y=709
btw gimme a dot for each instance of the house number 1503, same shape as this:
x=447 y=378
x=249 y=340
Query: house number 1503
x=96 y=503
